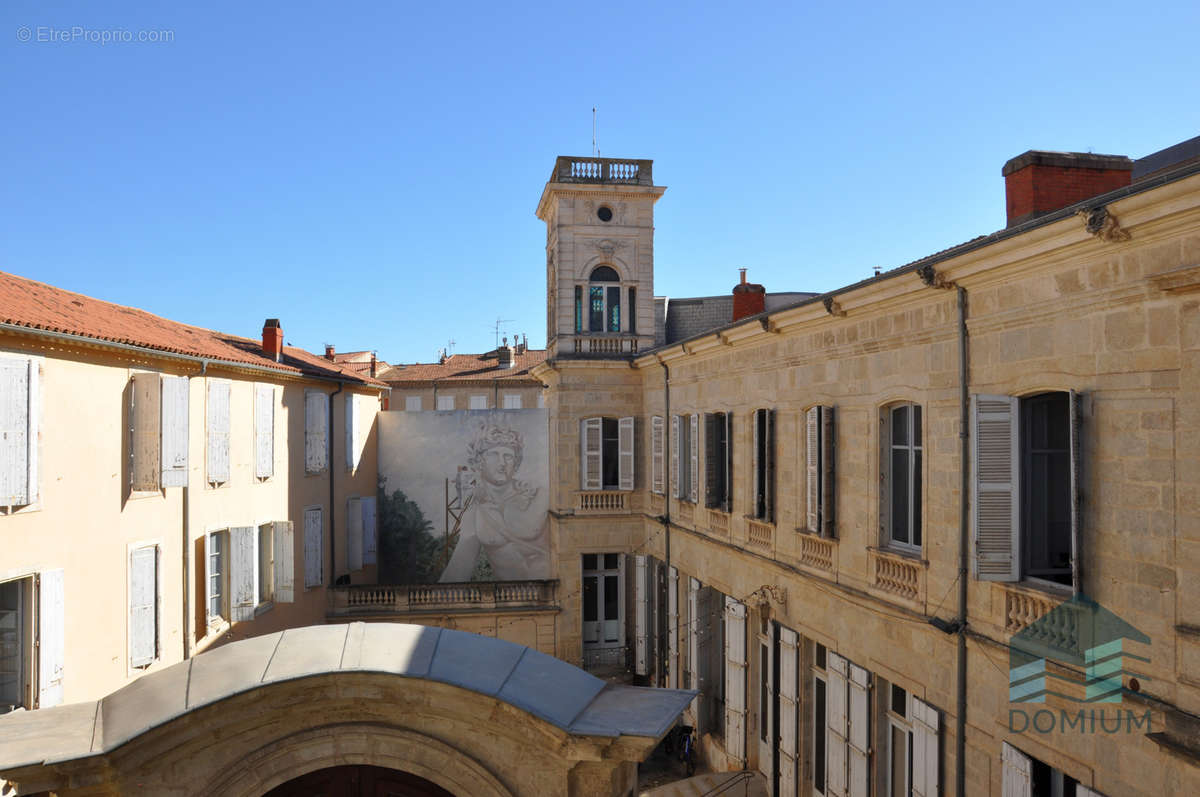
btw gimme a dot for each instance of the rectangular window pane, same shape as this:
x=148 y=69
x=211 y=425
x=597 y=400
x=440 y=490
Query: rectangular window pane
x=596 y=309
x=900 y=426
x=916 y=497
x=632 y=322
x=764 y=668
x=610 y=454
x=12 y=655
x=589 y=561
x=578 y=308
x=899 y=494
x=899 y=762
x=611 y=561
x=590 y=600
x=916 y=424
x=611 y=598
x=819 y=725
x=614 y=309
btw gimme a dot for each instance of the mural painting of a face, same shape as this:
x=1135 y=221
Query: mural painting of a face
x=498 y=465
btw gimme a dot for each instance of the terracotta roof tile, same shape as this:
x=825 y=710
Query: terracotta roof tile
x=466 y=368
x=36 y=305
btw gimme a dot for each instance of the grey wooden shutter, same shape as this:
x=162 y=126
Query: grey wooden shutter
x=1017 y=772
x=51 y=644
x=727 y=499
x=712 y=459
x=996 y=500
x=316 y=428
x=694 y=631
x=314 y=537
x=264 y=431
x=756 y=474
x=625 y=458
x=354 y=534
x=926 y=763
x=218 y=430
x=735 y=682
x=828 y=473
x=694 y=458
x=769 y=480
x=1076 y=488
x=242 y=566
x=789 y=713
x=591 y=450
x=673 y=669
x=656 y=454
x=146 y=422
x=285 y=568
x=143 y=606
x=351 y=410
x=641 y=616
x=370 y=534
x=812 y=469
x=676 y=483
x=837 y=725
x=859 y=735
x=266 y=563
x=174 y=402
x=18 y=432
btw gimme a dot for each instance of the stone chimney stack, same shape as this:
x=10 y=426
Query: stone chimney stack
x=329 y=351
x=374 y=364
x=748 y=298
x=504 y=355
x=1038 y=182
x=272 y=339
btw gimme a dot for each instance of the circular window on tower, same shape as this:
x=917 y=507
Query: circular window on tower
x=604 y=212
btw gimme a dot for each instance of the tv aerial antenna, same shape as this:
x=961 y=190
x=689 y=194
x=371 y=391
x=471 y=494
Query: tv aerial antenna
x=595 y=152
x=499 y=322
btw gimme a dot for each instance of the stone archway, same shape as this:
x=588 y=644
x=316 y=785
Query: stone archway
x=358 y=781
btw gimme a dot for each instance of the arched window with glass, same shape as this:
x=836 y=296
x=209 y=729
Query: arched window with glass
x=602 y=312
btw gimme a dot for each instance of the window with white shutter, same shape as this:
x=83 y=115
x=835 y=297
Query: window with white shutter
x=837 y=725
x=316 y=431
x=264 y=431
x=216 y=576
x=1016 y=778
x=17 y=644
x=926 y=754
x=284 y=552
x=412 y=403
x=218 y=421
x=656 y=454
x=370 y=531
x=641 y=617
x=445 y=403
x=353 y=419
x=158 y=415
x=512 y=401
x=51 y=637
x=478 y=403
x=19 y=397
x=354 y=534
x=673 y=669
x=314 y=546
x=735 y=682
x=625 y=457
x=243 y=572
x=859 y=732
x=175 y=391
x=143 y=605
x=591 y=448
x=789 y=712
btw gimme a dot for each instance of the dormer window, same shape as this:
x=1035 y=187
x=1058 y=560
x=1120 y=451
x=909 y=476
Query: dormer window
x=604 y=300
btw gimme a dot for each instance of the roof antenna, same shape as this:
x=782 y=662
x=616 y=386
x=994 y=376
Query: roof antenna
x=500 y=321
x=595 y=152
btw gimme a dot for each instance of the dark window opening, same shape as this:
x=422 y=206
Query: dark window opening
x=632 y=322
x=819 y=725
x=604 y=274
x=578 y=308
x=610 y=454
x=904 y=475
x=1046 y=486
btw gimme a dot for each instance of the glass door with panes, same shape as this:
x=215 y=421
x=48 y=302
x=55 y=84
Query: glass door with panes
x=12 y=638
x=603 y=599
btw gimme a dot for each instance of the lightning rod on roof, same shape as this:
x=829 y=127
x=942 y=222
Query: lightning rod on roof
x=595 y=151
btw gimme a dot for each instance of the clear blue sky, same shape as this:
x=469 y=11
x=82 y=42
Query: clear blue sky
x=368 y=172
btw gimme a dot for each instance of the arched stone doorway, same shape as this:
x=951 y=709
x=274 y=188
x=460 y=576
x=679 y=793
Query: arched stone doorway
x=358 y=781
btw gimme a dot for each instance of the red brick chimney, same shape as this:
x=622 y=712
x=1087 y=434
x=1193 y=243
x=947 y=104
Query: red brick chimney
x=374 y=365
x=329 y=351
x=1037 y=182
x=272 y=339
x=748 y=298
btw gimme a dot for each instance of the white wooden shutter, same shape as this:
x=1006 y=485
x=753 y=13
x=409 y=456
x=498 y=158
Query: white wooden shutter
x=146 y=423
x=143 y=606
x=674 y=443
x=812 y=468
x=1016 y=780
x=285 y=567
x=243 y=549
x=316 y=428
x=1076 y=418
x=350 y=405
x=656 y=454
x=51 y=644
x=996 y=469
x=208 y=577
x=926 y=761
x=859 y=735
x=218 y=430
x=673 y=670
x=694 y=631
x=694 y=458
x=769 y=482
x=354 y=534
x=789 y=713
x=735 y=682
x=370 y=544
x=174 y=425
x=264 y=431
x=836 y=672
x=828 y=476
x=625 y=459
x=641 y=615
x=314 y=535
x=18 y=432
x=591 y=450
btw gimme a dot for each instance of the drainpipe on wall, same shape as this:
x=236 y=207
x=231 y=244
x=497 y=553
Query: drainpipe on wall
x=332 y=508
x=666 y=518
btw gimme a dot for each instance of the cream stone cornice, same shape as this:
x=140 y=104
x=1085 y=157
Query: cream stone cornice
x=597 y=190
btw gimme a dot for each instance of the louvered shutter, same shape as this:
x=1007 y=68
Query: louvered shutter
x=926 y=762
x=285 y=566
x=174 y=425
x=859 y=737
x=694 y=630
x=146 y=422
x=242 y=549
x=264 y=431
x=812 y=469
x=656 y=454
x=51 y=644
x=673 y=628
x=789 y=713
x=712 y=460
x=1084 y=791
x=218 y=430
x=836 y=672
x=735 y=682
x=674 y=443
x=314 y=535
x=18 y=432
x=996 y=448
x=625 y=459
x=316 y=427
x=350 y=407
x=143 y=606
x=727 y=499
x=370 y=537
x=756 y=475
x=641 y=615
x=828 y=475
x=694 y=459
x=769 y=486
x=354 y=534
x=1017 y=772
x=591 y=450
x=1076 y=487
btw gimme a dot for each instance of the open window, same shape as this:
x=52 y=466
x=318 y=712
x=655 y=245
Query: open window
x=1026 y=460
x=685 y=453
x=763 y=466
x=819 y=471
x=901 y=477
x=158 y=416
x=607 y=461
x=718 y=460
